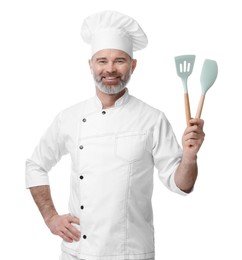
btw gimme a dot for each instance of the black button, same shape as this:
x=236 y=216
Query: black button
x=81 y=177
x=81 y=147
x=104 y=112
x=84 y=120
x=82 y=207
x=84 y=236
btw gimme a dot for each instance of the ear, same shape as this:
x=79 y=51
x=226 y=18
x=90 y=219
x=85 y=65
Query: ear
x=134 y=63
x=90 y=65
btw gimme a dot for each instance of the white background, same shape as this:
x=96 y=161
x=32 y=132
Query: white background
x=44 y=69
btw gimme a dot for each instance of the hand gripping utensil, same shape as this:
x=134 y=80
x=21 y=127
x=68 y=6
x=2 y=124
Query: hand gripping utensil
x=208 y=76
x=184 y=67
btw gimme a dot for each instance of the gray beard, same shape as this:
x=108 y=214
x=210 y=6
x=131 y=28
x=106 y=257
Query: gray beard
x=115 y=89
x=111 y=89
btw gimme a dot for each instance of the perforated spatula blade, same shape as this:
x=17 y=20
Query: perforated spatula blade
x=184 y=67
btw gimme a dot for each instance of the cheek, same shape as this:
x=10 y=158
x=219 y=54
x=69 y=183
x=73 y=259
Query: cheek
x=97 y=74
x=127 y=72
x=97 y=71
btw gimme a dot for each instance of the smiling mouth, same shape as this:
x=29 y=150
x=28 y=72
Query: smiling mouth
x=111 y=80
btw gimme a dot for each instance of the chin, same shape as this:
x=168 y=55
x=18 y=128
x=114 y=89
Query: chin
x=111 y=89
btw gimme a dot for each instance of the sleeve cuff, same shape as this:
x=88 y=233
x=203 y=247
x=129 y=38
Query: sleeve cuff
x=174 y=188
x=35 y=176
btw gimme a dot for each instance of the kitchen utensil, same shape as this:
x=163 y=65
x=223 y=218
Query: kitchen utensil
x=208 y=76
x=184 y=67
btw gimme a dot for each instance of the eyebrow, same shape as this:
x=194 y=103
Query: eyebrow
x=100 y=58
x=104 y=58
x=121 y=58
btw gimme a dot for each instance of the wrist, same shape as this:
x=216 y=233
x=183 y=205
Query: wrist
x=50 y=216
x=189 y=158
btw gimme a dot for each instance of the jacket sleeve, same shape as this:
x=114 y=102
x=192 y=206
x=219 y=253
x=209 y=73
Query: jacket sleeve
x=46 y=154
x=167 y=153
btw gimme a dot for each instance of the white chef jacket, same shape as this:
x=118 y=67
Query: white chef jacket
x=113 y=153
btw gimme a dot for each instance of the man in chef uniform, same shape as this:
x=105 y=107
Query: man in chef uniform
x=114 y=141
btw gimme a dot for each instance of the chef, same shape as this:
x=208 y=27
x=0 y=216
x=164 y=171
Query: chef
x=114 y=140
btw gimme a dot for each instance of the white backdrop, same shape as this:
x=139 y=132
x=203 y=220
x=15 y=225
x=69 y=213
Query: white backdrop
x=44 y=69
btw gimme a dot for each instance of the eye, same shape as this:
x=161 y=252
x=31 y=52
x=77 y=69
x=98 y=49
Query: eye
x=120 y=61
x=101 y=61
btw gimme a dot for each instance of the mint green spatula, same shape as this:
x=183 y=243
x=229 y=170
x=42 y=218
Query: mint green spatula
x=184 y=67
x=208 y=76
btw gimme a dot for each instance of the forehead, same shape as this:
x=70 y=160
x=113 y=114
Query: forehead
x=111 y=54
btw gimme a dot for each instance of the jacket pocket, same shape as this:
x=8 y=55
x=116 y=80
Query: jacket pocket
x=130 y=146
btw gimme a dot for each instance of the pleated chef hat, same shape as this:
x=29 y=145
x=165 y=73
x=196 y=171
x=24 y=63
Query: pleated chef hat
x=113 y=30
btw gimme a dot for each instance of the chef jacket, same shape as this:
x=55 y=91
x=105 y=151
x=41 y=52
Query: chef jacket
x=113 y=153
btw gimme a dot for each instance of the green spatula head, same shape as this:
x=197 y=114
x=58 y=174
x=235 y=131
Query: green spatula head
x=184 y=67
x=208 y=75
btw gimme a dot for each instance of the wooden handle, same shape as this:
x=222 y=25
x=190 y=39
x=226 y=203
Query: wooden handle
x=187 y=108
x=200 y=106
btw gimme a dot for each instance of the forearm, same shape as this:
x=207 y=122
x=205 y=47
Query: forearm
x=60 y=225
x=186 y=174
x=43 y=199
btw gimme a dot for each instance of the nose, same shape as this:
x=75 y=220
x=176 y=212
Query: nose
x=110 y=68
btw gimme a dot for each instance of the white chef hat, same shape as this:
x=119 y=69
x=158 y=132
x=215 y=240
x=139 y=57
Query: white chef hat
x=113 y=30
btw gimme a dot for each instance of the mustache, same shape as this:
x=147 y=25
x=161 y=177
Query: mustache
x=110 y=75
x=100 y=77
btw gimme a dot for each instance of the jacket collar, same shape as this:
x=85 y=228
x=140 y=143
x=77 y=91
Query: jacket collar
x=119 y=102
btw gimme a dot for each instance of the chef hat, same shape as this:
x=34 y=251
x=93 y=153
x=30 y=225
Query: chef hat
x=113 y=30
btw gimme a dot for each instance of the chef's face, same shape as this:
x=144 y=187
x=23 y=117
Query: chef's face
x=111 y=70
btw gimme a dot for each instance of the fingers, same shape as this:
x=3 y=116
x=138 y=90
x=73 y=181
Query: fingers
x=70 y=231
x=73 y=219
x=67 y=235
x=196 y=126
x=193 y=142
x=197 y=121
x=75 y=233
x=62 y=226
x=193 y=136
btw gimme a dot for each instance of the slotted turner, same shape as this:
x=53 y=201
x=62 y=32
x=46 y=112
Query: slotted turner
x=208 y=76
x=184 y=67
